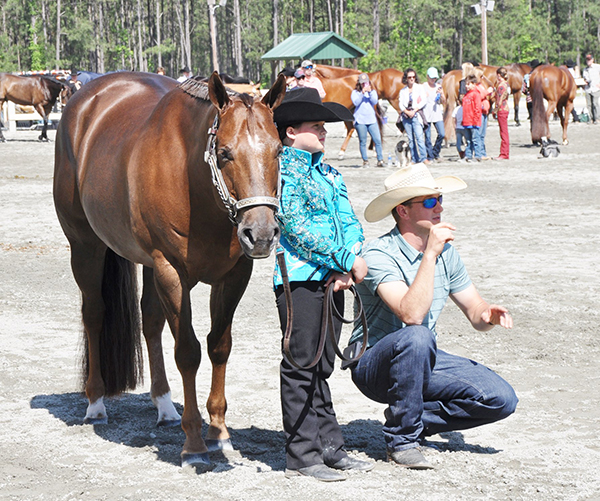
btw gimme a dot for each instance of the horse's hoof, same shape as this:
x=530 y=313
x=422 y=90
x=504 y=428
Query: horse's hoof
x=219 y=445
x=565 y=142
x=199 y=459
x=517 y=124
x=168 y=423
x=341 y=155
x=100 y=420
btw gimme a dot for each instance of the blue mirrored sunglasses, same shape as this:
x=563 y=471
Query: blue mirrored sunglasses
x=428 y=203
x=309 y=67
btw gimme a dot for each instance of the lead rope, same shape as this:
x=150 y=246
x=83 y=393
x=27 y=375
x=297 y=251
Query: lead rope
x=329 y=310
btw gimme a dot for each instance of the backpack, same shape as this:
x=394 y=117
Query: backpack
x=549 y=148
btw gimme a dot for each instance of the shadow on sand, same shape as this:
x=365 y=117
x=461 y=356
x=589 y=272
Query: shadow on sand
x=132 y=422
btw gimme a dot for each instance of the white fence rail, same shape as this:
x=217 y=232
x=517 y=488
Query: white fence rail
x=10 y=117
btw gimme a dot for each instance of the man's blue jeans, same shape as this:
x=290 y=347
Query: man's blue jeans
x=373 y=130
x=433 y=151
x=427 y=390
x=416 y=139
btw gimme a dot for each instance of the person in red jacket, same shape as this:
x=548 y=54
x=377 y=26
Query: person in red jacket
x=472 y=119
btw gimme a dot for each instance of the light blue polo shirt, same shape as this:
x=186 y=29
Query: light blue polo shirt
x=391 y=259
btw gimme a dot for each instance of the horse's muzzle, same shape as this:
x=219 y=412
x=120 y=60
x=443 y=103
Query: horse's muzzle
x=258 y=232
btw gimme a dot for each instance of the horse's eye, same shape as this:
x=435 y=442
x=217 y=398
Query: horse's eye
x=225 y=155
x=279 y=152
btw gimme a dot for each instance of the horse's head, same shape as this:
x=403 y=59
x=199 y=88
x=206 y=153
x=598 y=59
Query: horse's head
x=247 y=148
x=66 y=92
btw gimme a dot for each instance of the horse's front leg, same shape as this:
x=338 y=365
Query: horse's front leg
x=153 y=321
x=224 y=299
x=174 y=295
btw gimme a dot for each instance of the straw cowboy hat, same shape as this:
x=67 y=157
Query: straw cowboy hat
x=410 y=182
x=304 y=105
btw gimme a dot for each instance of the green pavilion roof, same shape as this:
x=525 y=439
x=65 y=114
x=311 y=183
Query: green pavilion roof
x=323 y=45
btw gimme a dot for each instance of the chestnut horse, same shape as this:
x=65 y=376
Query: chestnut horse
x=557 y=86
x=386 y=82
x=451 y=83
x=38 y=91
x=183 y=179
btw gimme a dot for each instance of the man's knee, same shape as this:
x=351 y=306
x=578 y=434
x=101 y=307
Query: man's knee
x=416 y=338
x=505 y=400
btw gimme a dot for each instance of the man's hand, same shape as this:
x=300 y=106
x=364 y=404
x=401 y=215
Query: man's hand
x=497 y=315
x=359 y=269
x=439 y=235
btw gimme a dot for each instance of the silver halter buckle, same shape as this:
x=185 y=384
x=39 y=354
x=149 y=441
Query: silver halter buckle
x=231 y=204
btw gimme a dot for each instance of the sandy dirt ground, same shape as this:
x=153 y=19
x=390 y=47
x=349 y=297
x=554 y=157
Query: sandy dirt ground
x=529 y=232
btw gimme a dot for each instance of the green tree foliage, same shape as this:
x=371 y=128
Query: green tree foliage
x=104 y=35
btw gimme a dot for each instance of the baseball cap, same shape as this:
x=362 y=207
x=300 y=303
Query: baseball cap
x=306 y=63
x=363 y=78
x=433 y=73
x=299 y=73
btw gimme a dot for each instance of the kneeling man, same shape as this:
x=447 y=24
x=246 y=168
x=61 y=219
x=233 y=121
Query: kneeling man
x=412 y=271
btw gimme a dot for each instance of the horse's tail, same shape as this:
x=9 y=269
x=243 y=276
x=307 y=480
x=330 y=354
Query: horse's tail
x=539 y=119
x=451 y=102
x=121 y=359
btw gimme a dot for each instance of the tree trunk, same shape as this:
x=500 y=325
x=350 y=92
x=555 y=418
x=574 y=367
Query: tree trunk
x=213 y=34
x=238 y=38
x=140 y=48
x=330 y=15
x=99 y=38
x=376 y=26
x=158 y=39
x=57 y=34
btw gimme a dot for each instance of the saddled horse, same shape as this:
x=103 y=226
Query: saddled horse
x=183 y=179
x=40 y=92
x=557 y=86
x=387 y=83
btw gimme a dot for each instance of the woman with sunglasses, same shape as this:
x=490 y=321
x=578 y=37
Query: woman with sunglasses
x=412 y=101
x=311 y=80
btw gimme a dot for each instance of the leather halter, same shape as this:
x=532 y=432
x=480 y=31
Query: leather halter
x=231 y=204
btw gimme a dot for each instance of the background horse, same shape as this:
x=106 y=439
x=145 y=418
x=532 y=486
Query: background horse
x=325 y=71
x=451 y=83
x=386 y=82
x=558 y=87
x=38 y=91
x=136 y=159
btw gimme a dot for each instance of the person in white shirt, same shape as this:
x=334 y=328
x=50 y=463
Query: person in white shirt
x=591 y=75
x=434 y=113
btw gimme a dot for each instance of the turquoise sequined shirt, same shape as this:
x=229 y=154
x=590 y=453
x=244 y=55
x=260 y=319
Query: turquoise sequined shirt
x=319 y=230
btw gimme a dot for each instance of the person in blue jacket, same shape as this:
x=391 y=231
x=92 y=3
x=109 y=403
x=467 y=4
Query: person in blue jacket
x=321 y=238
x=364 y=98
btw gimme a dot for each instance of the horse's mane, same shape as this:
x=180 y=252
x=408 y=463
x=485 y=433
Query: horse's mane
x=199 y=90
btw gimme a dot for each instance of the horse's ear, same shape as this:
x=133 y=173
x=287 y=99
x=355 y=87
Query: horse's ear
x=217 y=92
x=276 y=94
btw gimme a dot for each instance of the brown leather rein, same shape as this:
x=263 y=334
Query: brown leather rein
x=329 y=311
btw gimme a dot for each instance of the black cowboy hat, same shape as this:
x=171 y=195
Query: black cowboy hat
x=185 y=69
x=534 y=63
x=569 y=63
x=288 y=71
x=304 y=105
